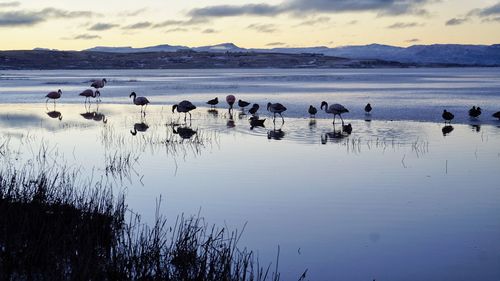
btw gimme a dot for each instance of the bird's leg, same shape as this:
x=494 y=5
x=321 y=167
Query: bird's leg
x=341 y=119
x=185 y=116
x=333 y=119
x=282 y=119
x=189 y=116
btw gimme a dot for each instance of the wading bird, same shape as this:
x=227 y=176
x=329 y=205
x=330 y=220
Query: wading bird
x=184 y=107
x=242 y=104
x=474 y=112
x=142 y=101
x=335 y=109
x=213 y=102
x=276 y=108
x=496 y=115
x=53 y=96
x=368 y=108
x=254 y=109
x=312 y=111
x=447 y=116
x=98 y=84
x=89 y=93
x=230 y=99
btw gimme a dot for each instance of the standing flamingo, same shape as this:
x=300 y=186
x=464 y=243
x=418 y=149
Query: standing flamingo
x=276 y=108
x=89 y=93
x=184 y=107
x=335 y=109
x=142 y=101
x=97 y=84
x=230 y=99
x=53 y=96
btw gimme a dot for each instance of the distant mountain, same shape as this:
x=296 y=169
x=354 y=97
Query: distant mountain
x=152 y=49
x=482 y=55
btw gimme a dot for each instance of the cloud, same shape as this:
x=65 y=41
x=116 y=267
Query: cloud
x=132 y=13
x=178 y=29
x=83 y=37
x=414 y=40
x=235 y=10
x=490 y=11
x=265 y=28
x=9 y=4
x=30 y=18
x=300 y=7
x=275 y=44
x=192 y=21
x=400 y=25
x=102 y=26
x=139 y=25
x=456 y=21
x=209 y=30
x=315 y=21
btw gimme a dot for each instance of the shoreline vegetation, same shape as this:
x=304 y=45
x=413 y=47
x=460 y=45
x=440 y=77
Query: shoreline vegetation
x=53 y=226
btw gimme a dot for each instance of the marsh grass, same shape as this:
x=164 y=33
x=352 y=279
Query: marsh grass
x=54 y=226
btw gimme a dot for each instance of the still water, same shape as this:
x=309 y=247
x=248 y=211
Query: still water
x=395 y=200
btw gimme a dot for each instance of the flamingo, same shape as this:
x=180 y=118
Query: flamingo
x=254 y=109
x=368 y=108
x=447 y=116
x=276 y=108
x=184 y=107
x=230 y=99
x=335 y=109
x=89 y=93
x=142 y=101
x=312 y=111
x=53 y=96
x=496 y=115
x=97 y=84
x=213 y=102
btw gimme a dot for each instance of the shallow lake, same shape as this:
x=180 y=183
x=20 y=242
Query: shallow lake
x=394 y=200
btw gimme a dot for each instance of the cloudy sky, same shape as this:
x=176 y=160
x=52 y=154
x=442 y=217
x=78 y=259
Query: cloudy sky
x=76 y=25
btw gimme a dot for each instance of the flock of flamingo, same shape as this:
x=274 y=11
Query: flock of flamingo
x=275 y=108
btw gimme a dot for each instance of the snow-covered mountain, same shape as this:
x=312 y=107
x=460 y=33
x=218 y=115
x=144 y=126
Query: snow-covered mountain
x=485 y=55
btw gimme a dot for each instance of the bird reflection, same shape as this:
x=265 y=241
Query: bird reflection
x=312 y=123
x=447 y=129
x=55 y=114
x=213 y=112
x=184 y=132
x=476 y=128
x=276 y=134
x=256 y=122
x=337 y=135
x=88 y=115
x=140 y=127
x=100 y=117
x=230 y=122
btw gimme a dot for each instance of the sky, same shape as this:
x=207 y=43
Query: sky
x=77 y=25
